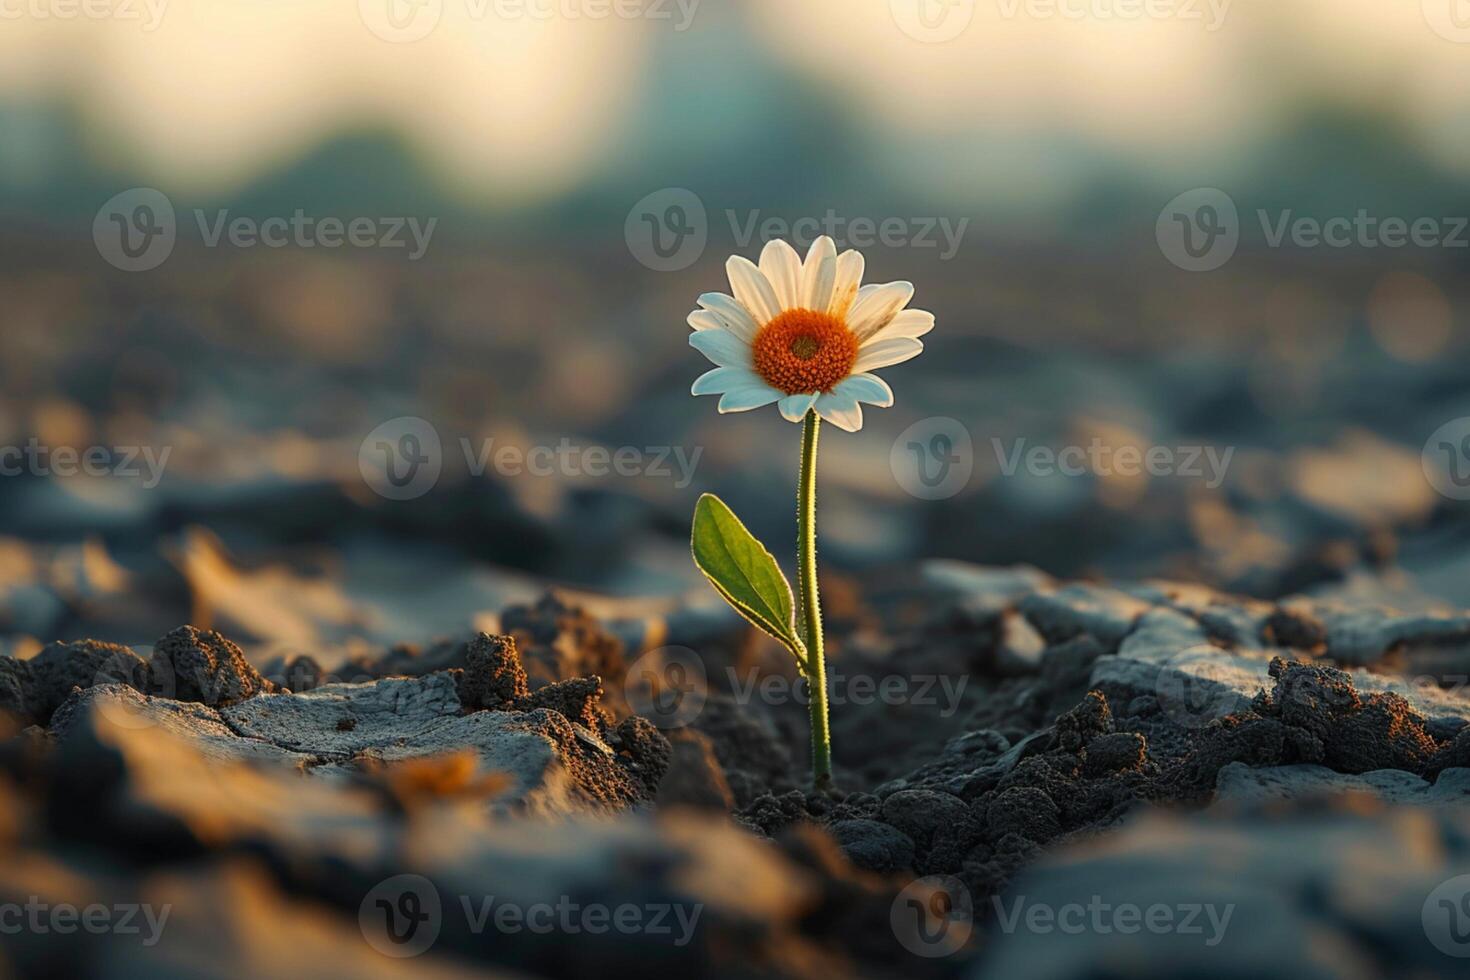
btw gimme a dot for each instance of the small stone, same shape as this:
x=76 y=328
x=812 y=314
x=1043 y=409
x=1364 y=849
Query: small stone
x=874 y=846
x=1023 y=810
x=920 y=813
x=494 y=675
x=60 y=667
x=1118 y=752
x=577 y=699
x=1092 y=717
x=201 y=665
x=16 y=681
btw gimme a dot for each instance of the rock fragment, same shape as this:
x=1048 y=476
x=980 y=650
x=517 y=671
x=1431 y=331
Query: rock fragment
x=201 y=665
x=494 y=675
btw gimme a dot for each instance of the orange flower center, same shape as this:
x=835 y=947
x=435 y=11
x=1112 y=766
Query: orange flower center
x=802 y=351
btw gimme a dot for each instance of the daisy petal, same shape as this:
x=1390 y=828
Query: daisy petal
x=705 y=320
x=906 y=323
x=876 y=353
x=875 y=306
x=719 y=380
x=841 y=410
x=794 y=407
x=845 y=284
x=736 y=318
x=818 y=274
x=865 y=388
x=782 y=268
x=722 y=347
x=752 y=289
x=746 y=398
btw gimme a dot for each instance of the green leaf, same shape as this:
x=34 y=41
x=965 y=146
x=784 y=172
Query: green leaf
x=743 y=572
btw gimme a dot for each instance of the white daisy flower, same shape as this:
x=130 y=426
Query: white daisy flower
x=805 y=335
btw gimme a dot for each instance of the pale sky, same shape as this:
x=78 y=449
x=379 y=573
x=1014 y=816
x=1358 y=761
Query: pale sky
x=207 y=94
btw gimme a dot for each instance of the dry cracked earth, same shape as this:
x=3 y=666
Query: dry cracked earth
x=1036 y=778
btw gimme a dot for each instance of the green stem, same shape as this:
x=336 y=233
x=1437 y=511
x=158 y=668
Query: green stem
x=811 y=605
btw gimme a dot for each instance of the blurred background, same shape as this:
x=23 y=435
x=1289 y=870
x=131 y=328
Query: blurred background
x=1089 y=194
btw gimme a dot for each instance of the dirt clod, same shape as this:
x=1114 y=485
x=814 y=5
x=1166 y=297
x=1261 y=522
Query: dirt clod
x=201 y=665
